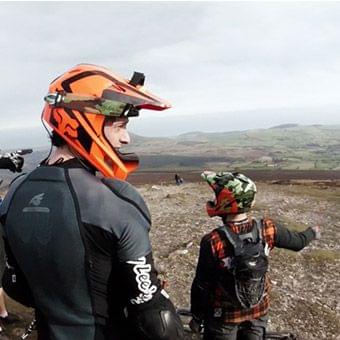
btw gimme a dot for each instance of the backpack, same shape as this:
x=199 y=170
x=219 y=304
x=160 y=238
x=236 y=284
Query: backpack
x=249 y=264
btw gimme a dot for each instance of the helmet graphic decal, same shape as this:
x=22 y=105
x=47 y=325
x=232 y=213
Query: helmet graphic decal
x=69 y=126
x=234 y=193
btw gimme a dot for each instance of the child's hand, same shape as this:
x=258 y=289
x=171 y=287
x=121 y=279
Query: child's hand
x=317 y=232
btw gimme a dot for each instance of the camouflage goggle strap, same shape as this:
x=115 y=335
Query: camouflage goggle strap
x=91 y=104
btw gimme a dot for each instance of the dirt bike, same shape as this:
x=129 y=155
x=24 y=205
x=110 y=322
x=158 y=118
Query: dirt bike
x=185 y=314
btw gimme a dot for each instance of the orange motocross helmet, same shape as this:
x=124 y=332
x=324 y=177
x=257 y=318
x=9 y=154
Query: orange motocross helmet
x=78 y=103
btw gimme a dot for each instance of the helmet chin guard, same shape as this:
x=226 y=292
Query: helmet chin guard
x=79 y=101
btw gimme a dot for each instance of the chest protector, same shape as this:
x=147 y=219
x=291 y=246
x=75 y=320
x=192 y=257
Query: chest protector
x=248 y=265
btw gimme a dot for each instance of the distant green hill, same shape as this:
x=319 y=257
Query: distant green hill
x=288 y=146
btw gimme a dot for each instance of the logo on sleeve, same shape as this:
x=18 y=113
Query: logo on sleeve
x=145 y=286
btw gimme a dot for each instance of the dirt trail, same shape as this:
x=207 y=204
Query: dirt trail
x=306 y=285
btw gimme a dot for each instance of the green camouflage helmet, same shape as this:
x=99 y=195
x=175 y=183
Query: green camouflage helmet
x=234 y=193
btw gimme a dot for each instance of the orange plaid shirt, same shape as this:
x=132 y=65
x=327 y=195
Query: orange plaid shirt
x=221 y=249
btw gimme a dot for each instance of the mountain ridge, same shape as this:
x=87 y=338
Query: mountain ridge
x=37 y=137
x=303 y=147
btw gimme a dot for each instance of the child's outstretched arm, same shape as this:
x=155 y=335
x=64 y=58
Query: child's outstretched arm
x=294 y=240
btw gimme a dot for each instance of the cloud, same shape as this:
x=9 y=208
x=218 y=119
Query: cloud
x=202 y=57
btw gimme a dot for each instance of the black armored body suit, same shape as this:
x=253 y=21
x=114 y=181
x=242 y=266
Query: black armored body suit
x=80 y=250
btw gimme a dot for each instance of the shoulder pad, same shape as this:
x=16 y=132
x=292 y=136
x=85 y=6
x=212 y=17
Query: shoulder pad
x=128 y=193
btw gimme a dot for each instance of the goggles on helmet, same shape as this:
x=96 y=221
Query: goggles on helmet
x=92 y=104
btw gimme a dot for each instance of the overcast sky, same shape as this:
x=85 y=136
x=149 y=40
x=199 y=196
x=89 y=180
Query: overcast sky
x=256 y=63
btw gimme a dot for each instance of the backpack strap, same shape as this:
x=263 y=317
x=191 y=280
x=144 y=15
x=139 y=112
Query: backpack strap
x=234 y=240
x=237 y=240
x=231 y=236
x=259 y=227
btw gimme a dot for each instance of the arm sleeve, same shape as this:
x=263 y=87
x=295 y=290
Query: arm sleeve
x=2 y=255
x=14 y=281
x=136 y=260
x=12 y=278
x=201 y=285
x=142 y=284
x=150 y=311
x=293 y=240
x=134 y=241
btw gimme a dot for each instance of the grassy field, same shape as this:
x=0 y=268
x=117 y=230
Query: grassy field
x=285 y=147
